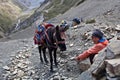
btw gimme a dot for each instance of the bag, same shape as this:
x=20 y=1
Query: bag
x=39 y=33
x=48 y=25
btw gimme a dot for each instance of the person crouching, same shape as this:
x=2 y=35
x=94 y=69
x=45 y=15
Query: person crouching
x=99 y=43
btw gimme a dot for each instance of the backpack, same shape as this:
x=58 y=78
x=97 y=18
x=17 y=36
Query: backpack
x=39 y=34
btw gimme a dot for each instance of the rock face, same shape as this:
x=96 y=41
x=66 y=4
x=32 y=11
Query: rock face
x=84 y=65
x=113 y=67
x=114 y=47
x=86 y=76
x=8 y=13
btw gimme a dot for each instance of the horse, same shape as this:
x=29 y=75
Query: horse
x=52 y=40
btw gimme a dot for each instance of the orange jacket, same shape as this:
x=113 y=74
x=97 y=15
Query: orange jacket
x=93 y=50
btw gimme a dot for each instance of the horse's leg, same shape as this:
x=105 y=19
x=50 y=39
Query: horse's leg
x=51 y=59
x=44 y=54
x=39 y=48
x=55 y=57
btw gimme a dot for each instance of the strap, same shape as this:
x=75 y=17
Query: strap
x=47 y=36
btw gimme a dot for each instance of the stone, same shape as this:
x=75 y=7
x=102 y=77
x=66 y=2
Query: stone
x=17 y=79
x=71 y=45
x=17 y=57
x=117 y=28
x=20 y=55
x=63 y=78
x=98 y=64
x=15 y=72
x=26 y=45
x=56 y=73
x=20 y=73
x=87 y=35
x=84 y=65
x=31 y=72
x=118 y=36
x=25 y=77
x=20 y=52
x=21 y=65
x=6 y=68
x=114 y=46
x=109 y=78
x=27 y=50
x=71 y=66
x=109 y=53
x=85 y=76
x=27 y=62
x=27 y=55
x=72 y=58
x=79 y=49
x=113 y=67
x=75 y=27
x=86 y=44
x=56 y=78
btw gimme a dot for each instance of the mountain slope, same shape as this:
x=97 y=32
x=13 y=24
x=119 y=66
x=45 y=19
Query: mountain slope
x=12 y=10
x=8 y=13
x=92 y=9
x=57 y=7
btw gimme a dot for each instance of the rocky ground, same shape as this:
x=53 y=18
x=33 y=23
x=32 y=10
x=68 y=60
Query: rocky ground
x=20 y=58
x=25 y=59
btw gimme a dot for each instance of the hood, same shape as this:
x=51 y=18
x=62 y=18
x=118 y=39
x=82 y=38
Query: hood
x=105 y=42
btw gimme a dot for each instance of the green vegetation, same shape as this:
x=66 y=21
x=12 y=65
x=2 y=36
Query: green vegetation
x=8 y=14
x=56 y=7
x=90 y=21
x=15 y=2
x=5 y=22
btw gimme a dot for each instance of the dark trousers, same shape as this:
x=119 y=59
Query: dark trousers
x=91 y=57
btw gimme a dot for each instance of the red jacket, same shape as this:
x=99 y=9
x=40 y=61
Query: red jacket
x=93 y=50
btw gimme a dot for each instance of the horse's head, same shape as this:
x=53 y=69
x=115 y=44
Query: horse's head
x=59 y=39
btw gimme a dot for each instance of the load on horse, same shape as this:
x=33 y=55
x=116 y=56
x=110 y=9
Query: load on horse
x=50 y=37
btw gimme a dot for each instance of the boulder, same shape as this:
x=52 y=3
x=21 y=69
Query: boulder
x=98 y=64
x=110 y=52
x=86 y=76
x=113 y=47
x=84 y=65
x=96 y=68
x=113 y=67
x=71 y=66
